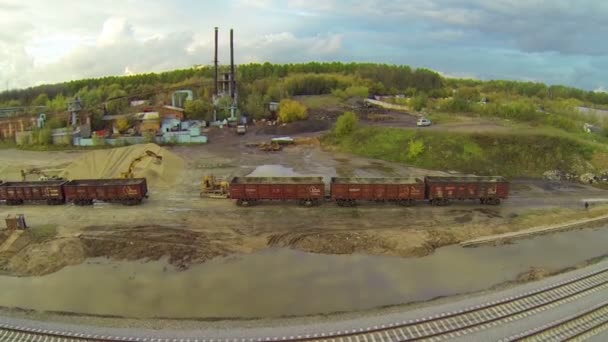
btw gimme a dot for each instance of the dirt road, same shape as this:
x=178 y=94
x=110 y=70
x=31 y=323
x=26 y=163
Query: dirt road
x=175 y=222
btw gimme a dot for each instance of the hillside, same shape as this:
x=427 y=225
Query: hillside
x=509 y=127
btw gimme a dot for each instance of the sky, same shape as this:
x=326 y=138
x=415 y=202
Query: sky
x=556 y=41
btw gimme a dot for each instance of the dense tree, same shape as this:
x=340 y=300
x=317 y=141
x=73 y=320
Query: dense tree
x=255 y=105
x=41 y=100
x=199 y=109
x=117 y=100
x=419 y=102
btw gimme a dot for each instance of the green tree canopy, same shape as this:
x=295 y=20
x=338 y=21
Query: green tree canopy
x=199 y=109
x=41 y=100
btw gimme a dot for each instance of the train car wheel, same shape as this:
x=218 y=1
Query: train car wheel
x=308 y=203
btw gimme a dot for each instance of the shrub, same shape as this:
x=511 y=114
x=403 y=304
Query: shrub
x=45 y=136
x=98 y=141
x=149 y=137
x=346 y=124
x=415 y=149
x=290 y=110
x=352 y=91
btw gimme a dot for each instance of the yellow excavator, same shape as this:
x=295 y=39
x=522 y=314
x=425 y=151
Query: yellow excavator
x=42 y=176
x=129 y=173
x=214 y=188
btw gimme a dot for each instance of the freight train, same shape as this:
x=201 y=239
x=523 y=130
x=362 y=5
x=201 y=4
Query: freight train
x=247 y=191
x=80 y=192
x=311 y=191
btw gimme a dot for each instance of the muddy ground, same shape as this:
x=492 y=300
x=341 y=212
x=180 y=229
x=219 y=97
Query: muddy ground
x=177 y=223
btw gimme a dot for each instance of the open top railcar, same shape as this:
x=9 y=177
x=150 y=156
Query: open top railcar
x=346 y=191
x=308 y=191
x=126 y=191
x=16 y=193
x=486 y=189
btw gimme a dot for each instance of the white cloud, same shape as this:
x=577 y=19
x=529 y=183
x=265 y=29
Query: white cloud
x=114 y=31
x=601 y=89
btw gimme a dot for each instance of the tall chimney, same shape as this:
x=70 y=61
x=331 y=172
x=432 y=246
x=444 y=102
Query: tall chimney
x=232 y=75
x=215 y=64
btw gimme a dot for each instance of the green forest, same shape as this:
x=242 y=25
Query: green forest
x=262 y=83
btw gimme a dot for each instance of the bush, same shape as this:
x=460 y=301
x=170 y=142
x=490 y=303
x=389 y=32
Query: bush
x=45 y=137
x=149 y=137
x=352 y=91
x=122 y=124
x=346 y=124
x=56 y=122
x=98 y=141
x=418 y=103
x=290 y=110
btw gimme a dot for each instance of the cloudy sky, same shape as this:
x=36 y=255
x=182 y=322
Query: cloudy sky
x=554 y=41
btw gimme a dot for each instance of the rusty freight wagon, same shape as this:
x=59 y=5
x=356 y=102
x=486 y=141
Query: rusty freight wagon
x=347 y=191
x=308 y=191
x=126 y=191
x=16 y=193
x=488 y=190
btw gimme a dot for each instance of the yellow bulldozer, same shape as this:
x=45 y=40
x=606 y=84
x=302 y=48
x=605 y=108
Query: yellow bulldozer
x=129 y=173
x=214 y=188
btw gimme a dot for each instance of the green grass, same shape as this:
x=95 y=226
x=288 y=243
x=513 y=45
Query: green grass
x=520 y=153
x=443 y=118
x=42 y=233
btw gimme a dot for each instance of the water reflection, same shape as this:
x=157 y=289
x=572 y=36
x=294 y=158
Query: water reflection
x=278 y=282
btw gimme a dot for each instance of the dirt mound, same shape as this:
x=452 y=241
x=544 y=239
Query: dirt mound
x=48 y=257
x=332 y=242
x=110 y=164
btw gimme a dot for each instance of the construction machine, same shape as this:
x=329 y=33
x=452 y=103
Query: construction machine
x=214 y=188
x=42 y=176
x=129 y=173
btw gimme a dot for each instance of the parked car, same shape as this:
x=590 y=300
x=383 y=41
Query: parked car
x=423 y=122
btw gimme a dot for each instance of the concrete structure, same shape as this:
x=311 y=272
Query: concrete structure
x=63 y=136
x=180 y=97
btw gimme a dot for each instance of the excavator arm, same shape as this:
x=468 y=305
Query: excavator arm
x=129 y=173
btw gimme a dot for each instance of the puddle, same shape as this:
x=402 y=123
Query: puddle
x=278 y=282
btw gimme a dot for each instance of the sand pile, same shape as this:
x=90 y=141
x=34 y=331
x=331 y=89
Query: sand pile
x=110 y=164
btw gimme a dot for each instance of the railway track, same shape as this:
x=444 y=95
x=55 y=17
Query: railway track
x=576 y=328
x=445 y=325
